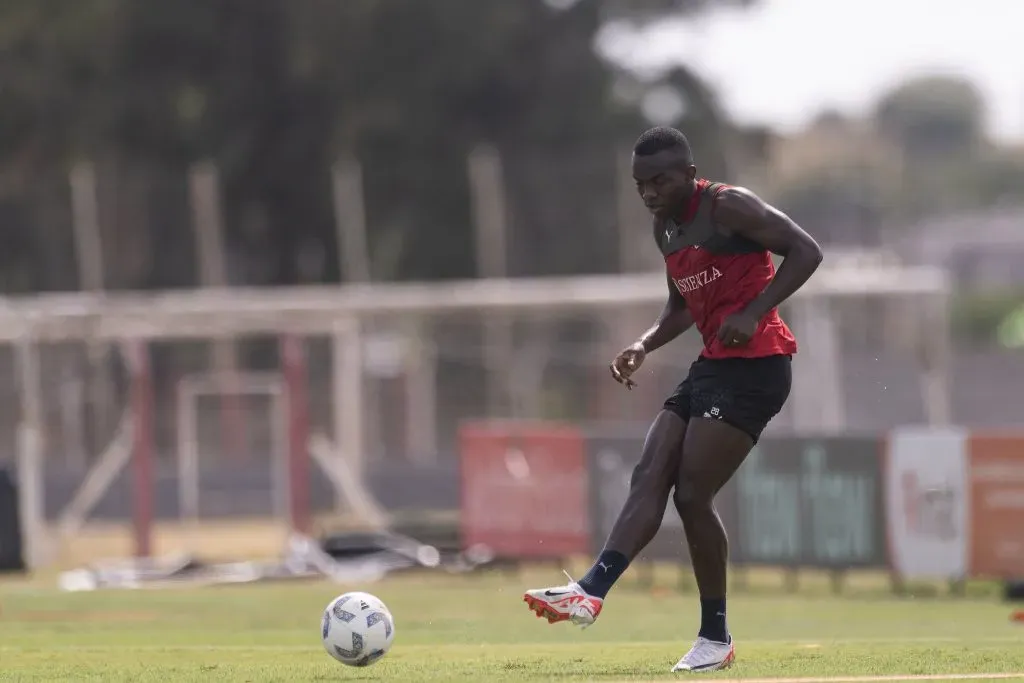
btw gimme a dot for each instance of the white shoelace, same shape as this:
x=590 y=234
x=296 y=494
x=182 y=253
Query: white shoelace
x=579 y=609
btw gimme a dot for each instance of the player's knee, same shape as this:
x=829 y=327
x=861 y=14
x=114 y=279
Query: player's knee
x=691 y=497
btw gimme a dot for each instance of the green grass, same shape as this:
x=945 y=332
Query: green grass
x=475 y=628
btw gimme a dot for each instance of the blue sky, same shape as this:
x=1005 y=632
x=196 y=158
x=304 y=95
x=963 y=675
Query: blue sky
x=786 y=60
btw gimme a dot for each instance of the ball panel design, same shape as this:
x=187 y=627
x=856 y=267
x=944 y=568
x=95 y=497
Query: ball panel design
x=357 y=629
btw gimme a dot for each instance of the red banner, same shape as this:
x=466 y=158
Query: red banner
x=524 y=489
x=996 y=468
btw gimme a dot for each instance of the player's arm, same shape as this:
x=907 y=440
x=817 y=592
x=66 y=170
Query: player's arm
x=741 y=212
x=675 y=319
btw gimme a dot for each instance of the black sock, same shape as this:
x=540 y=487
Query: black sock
x=712 y=620
x=605 y=572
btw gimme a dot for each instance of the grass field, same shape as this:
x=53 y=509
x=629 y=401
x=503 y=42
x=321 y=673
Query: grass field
x=475 y=628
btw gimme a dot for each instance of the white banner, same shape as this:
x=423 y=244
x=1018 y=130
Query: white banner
x=927 y=502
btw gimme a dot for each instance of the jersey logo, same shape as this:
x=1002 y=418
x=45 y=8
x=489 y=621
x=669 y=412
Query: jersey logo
x=692 y=282
x=681 y=236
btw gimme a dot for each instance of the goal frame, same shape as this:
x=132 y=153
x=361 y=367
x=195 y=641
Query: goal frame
x=287 y=503
x=337 y=312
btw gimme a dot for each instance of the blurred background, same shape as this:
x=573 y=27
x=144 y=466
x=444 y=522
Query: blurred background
x=207 y=146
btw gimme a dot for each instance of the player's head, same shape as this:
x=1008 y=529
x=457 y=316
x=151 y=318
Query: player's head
x=663 y=170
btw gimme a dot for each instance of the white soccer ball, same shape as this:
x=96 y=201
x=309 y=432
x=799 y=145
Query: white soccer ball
x=357 y=629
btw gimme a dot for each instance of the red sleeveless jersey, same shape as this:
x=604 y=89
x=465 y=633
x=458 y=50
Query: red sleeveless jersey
x=719 y=275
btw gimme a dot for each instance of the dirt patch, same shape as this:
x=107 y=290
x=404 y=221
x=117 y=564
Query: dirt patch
x=213 y=540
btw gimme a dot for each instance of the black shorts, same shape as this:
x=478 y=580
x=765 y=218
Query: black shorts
x=743 y=392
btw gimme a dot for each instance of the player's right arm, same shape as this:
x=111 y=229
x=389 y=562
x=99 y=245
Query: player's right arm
x=675 y=319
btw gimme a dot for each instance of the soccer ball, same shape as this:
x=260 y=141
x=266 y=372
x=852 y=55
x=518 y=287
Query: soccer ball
x=357 y=629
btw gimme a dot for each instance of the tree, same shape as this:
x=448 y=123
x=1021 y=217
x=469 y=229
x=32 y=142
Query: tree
x=656 y=10
x=934 y=116
x=274 y=90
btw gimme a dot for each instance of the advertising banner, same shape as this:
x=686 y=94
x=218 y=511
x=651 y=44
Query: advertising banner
x=927 y=502
x=810 y=502
x=524 y=489
x=996 y=475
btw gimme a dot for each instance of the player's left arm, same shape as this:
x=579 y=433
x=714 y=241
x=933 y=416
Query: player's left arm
x=742 y=212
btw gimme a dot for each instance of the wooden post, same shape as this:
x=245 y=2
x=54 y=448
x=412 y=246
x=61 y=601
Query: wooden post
x=354 y=266
x=489 y=218
x=89 y=257
x=350 y=221
x=636 y=248
x=142 y=464
x=204 y=189
x=637 y=253
x=31 y=508
x=349 y=416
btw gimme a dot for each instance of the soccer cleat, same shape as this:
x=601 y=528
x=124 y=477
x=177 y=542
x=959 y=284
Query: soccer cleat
x=564 y=603
x=707 y=655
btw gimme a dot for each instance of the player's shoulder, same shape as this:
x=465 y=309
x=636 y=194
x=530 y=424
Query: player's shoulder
x=728 y=193
x=735 y=202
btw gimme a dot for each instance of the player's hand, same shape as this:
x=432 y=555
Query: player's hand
x=626 y=363
x=737 y=329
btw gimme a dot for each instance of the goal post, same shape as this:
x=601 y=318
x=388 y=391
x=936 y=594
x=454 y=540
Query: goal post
x=141 y=406
x=272 y=402
x=42 y=543
x=192 y=389
x=296 y=467
x=315 y=337
x=140 y=466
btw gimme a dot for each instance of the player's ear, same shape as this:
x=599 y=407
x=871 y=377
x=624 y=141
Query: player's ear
x=691 y=172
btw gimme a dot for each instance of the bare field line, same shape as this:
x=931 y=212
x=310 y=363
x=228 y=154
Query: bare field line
x=878 y=679
x=864 y=679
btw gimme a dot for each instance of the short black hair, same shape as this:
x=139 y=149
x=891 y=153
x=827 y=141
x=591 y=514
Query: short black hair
x=660 y=138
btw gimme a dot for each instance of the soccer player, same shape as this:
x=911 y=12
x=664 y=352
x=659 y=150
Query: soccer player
x=717 y=242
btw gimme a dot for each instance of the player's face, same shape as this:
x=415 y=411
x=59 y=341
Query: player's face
x=665 y=182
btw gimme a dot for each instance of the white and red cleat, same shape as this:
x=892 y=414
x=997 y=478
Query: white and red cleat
x=564 y=603
x=707 y=655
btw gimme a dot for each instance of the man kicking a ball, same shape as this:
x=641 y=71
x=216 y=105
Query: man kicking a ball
x=717 y=242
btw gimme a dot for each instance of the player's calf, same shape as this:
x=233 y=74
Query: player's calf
x=636 y=525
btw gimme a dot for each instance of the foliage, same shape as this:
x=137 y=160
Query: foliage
x=652 y=10
x=976 y=317
x=274 y=91
x=932 y=117
x=923 y=153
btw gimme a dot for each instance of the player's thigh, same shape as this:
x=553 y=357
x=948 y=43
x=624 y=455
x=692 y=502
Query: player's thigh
x=712 y=452
x=731 y=402
x=663 y=446
x=662 y=450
